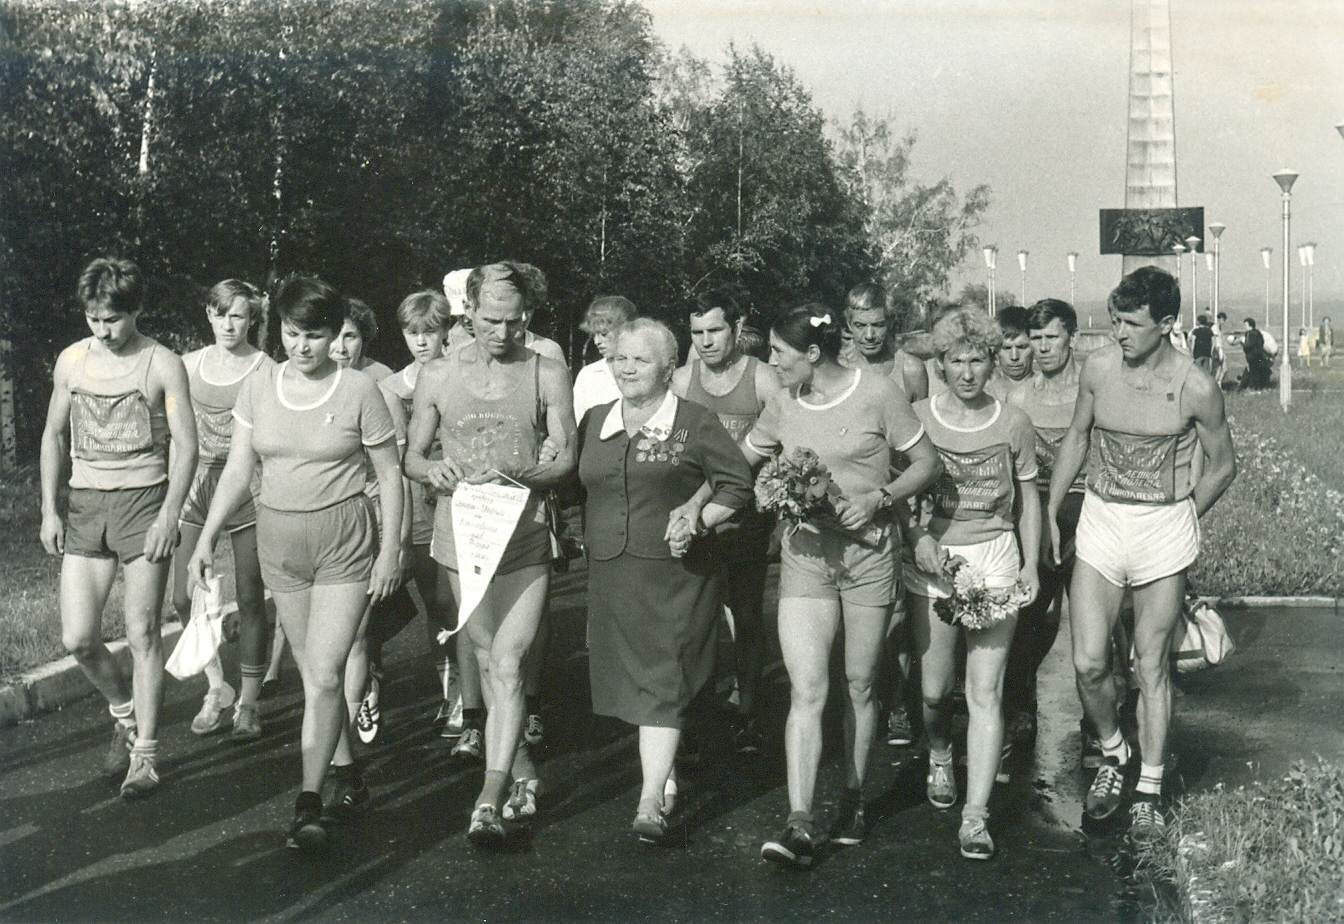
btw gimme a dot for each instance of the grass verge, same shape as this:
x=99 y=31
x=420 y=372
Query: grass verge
x=1271 y=852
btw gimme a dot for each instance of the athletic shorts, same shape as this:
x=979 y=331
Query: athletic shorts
x=334 y=545
x=829 y=565
x=112 y=524
x=1136 y=544
x=998 y=559
x=202 y=493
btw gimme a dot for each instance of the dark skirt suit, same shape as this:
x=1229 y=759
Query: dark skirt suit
x=651 y=617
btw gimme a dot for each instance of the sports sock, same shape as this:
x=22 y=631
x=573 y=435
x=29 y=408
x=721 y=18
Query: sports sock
x=942 y=759
x=125 y=713
x=496 y=781
x=1150 y=780
x=145 y=747
x=1116 y=746
x=974 y=811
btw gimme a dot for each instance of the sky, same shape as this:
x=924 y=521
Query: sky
x=1030 y=97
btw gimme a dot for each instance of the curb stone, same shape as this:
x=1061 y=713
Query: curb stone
x=52 y=686
x=1233 y=602
x=1196 y=895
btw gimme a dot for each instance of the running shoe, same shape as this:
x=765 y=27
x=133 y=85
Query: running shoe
x=1092 y=755
x=211 y=717
x=1104 y=795
x=486 y=829
x=141 y=777
x=651 y=827
x=307 y=833
x=1003 y=774
x=118 y=759
x=976 y=844
x=941 y=785
x=450 y=714
x=796 y=848
x=246 y=722
x=347 y=802
x=470 y=747
x=747 y=739
x=1021 y=728
x=534 y=732
x=900 y=731
x=850 y=828
x=522 y=804
x=368 y=720
x=1146 y=822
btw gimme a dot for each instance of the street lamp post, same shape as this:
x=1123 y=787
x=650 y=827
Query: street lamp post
x=1302 y=261
x=1208 y=266
x=1311 y=284
x=1193 y=243
x=1265 y=253
x=1022 y=262
x=1179 y=249
x=1216 y=229
x=991 y=259
x=1073 y=284
x=1285 y=179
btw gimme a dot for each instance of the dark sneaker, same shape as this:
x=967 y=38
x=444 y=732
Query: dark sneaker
x=1146 y=822
x=368 y=720
x=900 y=730
x=470 y=747
x=651 y=827
x=141 y=777
x=307 y=833
x=118 y=759
x=1021 y=729
x=1092 y=756
x=534 y=732
x=747 y=739
x=941 y=785
x=486 y=830
x=246 y=722
x=850 y=828
x=1106 y=791
x=347 y=802
x=976 y=844
x=797 y=848
x=522 y=805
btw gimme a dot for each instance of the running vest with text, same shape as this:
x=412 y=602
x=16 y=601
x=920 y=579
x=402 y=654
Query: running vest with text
x=500 y=433
x=212 y=404
x=738 y=409
x=1051 y=423
x=1131 y=468
x=117 y=440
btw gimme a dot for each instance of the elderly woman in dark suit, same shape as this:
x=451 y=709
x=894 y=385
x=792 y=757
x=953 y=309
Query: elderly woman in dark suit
x=653 y=594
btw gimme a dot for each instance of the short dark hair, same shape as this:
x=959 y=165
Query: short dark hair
x=1013 y=320
x=308 y=303
x=111 y=283
x=1148 y=287
x=225 y=293
x=362 y=316
x=1046 y=310
x=707 y=302
x=808 y=325
x=1205 y=321
x=426 y=307
x=1250 y=321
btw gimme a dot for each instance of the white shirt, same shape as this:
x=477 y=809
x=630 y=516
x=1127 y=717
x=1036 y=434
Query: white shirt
x=659 y=426
x=594 y=385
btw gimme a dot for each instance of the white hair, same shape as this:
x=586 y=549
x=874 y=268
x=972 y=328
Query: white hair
x=662 y=336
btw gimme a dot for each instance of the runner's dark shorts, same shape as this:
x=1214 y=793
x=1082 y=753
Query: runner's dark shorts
x=112 y=524
x=334 y=545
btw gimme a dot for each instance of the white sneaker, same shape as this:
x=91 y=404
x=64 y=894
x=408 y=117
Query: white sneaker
x=450 y=713
x=211 y=717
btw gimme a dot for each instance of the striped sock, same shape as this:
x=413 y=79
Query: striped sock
x=943 y=760
x=146 y=747
x=1150 y=780
x=1116 y=746
x=125 y=713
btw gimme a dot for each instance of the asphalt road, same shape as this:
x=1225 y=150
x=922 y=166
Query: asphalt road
x=207 y=846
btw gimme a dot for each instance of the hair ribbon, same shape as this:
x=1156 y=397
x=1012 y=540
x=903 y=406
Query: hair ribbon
x=818 y=322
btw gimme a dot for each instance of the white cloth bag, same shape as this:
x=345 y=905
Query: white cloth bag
x=199 y=641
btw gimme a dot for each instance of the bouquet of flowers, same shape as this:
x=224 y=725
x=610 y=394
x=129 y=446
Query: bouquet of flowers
x=798 y=487
x=973 y=605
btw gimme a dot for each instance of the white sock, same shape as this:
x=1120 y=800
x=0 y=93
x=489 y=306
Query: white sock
x=1150 y=780
x=1116 y=746
x=125 y=713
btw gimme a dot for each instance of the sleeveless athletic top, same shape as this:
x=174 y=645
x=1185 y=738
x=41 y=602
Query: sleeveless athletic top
x=503 y=433
x=1051 y=422
x=212 y=404
x=738 y=409
x=401 y=385
x=117 y=440
x=1132 y=468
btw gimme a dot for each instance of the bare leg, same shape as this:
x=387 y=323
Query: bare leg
x=252 y=626
x=936 y=646
x=806 y=630
x=1156 y=608
x=865 y=627
x=657 y=752
x=1094 y=608
x=986 y=657
x=85 y=584
x=145 y=584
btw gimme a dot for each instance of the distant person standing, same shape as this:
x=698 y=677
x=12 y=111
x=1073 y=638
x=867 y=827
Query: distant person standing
x=118 y=398
x=596 y=383
x=871 y=325
x=1014 y=362
x=1325 y=340
x=1220 y=347
x=1257 y=360
x=1202 y=340
x=1304 y=347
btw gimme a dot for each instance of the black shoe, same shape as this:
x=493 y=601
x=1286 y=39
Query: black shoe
x=307 y=834
x=347 y=802
x=796 y=848
x=1107 y=790
x=747 y=739
x=1092 y=755
x=1147 y=824
x=850 y=828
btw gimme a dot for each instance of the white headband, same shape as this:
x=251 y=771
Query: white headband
x=817 y=322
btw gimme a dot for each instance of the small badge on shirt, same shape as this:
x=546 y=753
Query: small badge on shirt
x=331 y=418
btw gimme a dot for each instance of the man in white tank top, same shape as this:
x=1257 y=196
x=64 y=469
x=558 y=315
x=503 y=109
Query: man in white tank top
x=1148 y=411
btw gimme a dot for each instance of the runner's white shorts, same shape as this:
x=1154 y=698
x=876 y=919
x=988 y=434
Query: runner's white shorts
x=998 y=560
x=1136 y=544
